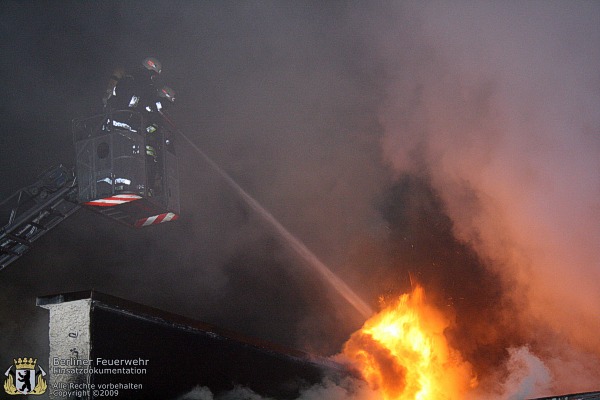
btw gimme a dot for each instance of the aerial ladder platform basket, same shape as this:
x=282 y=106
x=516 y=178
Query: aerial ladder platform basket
x=126 y=168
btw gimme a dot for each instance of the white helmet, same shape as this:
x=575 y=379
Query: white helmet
x=167 y=93
x=152 y=64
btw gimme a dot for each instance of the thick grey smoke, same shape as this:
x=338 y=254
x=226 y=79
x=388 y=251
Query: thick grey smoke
x=497 y=104
x=433 y=138
x=271 y=92
x=528 y=375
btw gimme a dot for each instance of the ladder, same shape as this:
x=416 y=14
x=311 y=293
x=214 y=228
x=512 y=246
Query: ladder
x=34 y=210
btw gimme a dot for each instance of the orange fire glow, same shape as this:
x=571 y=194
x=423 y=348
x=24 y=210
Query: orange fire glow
x=403 y=354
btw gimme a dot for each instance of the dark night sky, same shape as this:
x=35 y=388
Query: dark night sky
x=390 y=138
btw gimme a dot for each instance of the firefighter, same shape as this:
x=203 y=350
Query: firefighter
x=116 y=76
x=131 y=92
x=163 y=98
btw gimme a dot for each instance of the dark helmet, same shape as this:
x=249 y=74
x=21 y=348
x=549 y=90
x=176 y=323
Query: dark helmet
x=152 y=64
x=167 y=93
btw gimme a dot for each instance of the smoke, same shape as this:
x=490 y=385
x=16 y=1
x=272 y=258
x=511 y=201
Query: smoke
x=458 y=142
x=496 y=105
x=528 y=375
x=266 y=90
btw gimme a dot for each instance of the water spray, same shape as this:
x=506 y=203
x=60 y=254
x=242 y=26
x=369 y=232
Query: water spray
x=300 y=248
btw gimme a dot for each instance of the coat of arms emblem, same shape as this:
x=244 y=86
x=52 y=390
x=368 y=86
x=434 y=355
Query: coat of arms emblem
x=24 y=378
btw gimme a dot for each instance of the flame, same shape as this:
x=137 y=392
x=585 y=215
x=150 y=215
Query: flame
x=403 y=354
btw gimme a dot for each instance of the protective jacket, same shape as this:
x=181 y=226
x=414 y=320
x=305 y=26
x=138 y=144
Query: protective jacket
x=135 y=91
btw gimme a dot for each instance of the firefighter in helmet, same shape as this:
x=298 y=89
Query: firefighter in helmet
x=163 y=98
x=129 y=91
x=132 y=92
